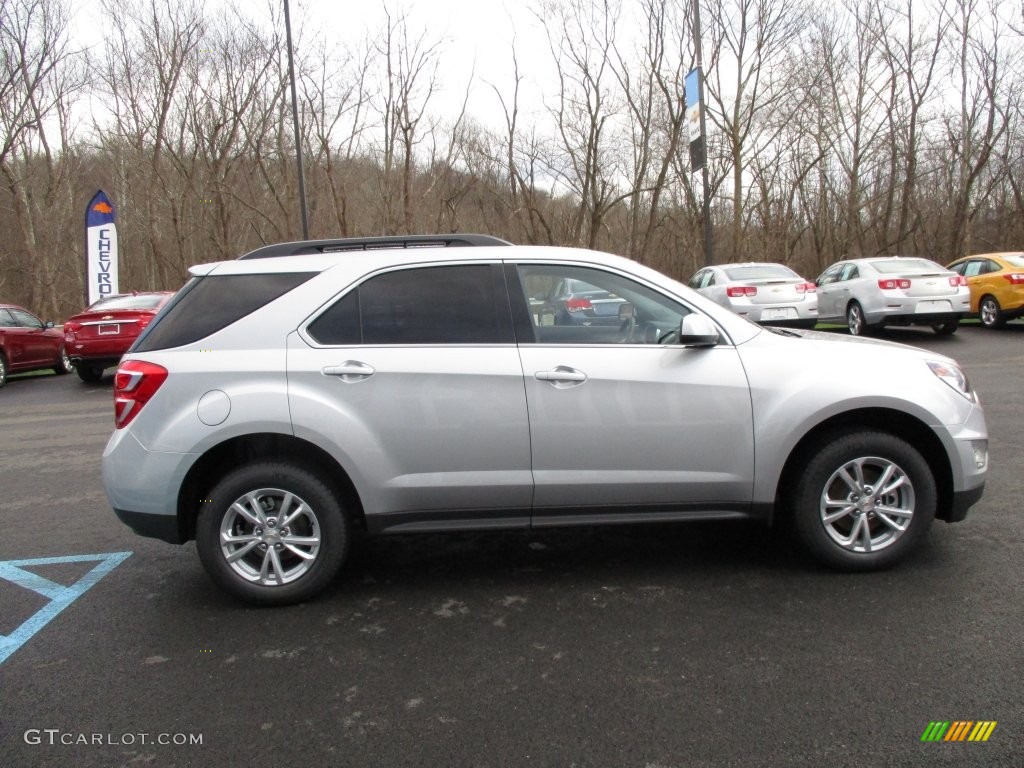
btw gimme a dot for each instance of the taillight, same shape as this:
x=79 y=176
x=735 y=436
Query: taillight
x=70 y=329
x=806 y=287
x=578 y=305
x=957 y=281
x=1015 y=278
x=135 y=382
x=893 y=284
x=143 y=321
x=736 y=291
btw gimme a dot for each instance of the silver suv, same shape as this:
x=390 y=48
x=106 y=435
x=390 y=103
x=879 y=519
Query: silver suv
x=285 y=399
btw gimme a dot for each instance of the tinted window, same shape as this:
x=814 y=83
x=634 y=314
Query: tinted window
x=208 y=304
x=340 y=323
x=460 y=304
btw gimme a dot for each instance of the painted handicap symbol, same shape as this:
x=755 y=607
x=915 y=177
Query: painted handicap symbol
x=59 y=595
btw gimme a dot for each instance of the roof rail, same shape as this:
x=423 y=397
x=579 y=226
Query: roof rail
x=303 y=247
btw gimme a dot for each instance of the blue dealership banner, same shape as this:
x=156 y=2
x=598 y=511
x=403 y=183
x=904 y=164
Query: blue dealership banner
x=100 y=249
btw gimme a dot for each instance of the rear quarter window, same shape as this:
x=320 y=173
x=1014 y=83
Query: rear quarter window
x=207 y=304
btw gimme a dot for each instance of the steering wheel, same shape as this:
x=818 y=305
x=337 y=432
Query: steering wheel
x=627 y=330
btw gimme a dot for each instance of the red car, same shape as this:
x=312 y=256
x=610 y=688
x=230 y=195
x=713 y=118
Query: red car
x=97 y=336
x=29 y=344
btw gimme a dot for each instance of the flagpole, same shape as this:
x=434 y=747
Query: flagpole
x=708 y=256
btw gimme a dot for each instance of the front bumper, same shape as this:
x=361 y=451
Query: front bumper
x=962 y=501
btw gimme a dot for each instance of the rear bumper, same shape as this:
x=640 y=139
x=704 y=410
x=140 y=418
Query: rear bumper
x=163 y=527
x=935 y=318
x=97 y=362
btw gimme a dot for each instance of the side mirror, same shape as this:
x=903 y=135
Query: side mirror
x=626 y=311
x=49 y=323
x=698 y=331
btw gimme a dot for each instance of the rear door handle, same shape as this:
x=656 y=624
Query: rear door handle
x=349 y=371
x=562 y=377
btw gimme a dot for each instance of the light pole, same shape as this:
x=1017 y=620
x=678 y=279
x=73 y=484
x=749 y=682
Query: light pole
x=708 y=257
x=295 y=119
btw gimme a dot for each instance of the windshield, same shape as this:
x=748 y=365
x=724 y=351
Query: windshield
x=143 y=301
x=894 y=266
x=760 y=272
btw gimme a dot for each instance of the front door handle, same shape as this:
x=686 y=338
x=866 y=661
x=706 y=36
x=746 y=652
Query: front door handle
x=349 y=371
x=562 y=377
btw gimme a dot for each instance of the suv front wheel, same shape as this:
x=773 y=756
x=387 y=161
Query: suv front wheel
x=272 y=534
x=864 y=501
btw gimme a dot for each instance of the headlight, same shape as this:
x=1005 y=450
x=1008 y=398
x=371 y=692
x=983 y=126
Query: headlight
x=952 y=375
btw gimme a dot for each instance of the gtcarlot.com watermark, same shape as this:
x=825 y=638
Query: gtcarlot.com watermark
x=55 y=736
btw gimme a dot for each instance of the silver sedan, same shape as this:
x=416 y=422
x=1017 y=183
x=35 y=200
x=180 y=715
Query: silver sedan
x=767 y=293
x=868 y=294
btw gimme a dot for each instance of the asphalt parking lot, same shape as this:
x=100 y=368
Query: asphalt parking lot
x=655 y=647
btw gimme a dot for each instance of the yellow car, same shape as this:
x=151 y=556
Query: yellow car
x=996 y=281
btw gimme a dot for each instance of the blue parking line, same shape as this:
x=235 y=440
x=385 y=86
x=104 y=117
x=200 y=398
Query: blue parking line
x=60 y=596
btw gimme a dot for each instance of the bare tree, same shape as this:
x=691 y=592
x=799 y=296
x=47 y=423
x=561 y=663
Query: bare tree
x=409 y=82
x=40 y=76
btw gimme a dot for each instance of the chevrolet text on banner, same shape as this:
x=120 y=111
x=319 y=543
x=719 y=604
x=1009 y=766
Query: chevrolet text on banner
x=100 y=249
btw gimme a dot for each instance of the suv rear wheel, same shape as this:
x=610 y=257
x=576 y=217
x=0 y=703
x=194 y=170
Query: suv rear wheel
x=272 y=534
x=863 y=501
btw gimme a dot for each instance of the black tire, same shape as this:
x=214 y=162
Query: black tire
x=857 y=535
x=319 y=517
x=90 y=374
x=946 y=329
x=63 y=365
x=3 y=370
x=855 y=320
x=990 y=313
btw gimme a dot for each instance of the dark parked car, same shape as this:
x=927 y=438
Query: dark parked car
x=97 y=337
x=29 y=344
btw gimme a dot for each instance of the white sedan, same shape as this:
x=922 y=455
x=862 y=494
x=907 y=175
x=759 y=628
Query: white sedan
x=868 y=294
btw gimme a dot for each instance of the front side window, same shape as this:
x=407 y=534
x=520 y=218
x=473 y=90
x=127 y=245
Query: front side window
x=616 y=309
x=969 y=268
x=26 y=319
x=830 y=275
x=459 y=304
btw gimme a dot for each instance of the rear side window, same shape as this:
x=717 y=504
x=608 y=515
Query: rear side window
x=208 y=304
x=460 y=304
